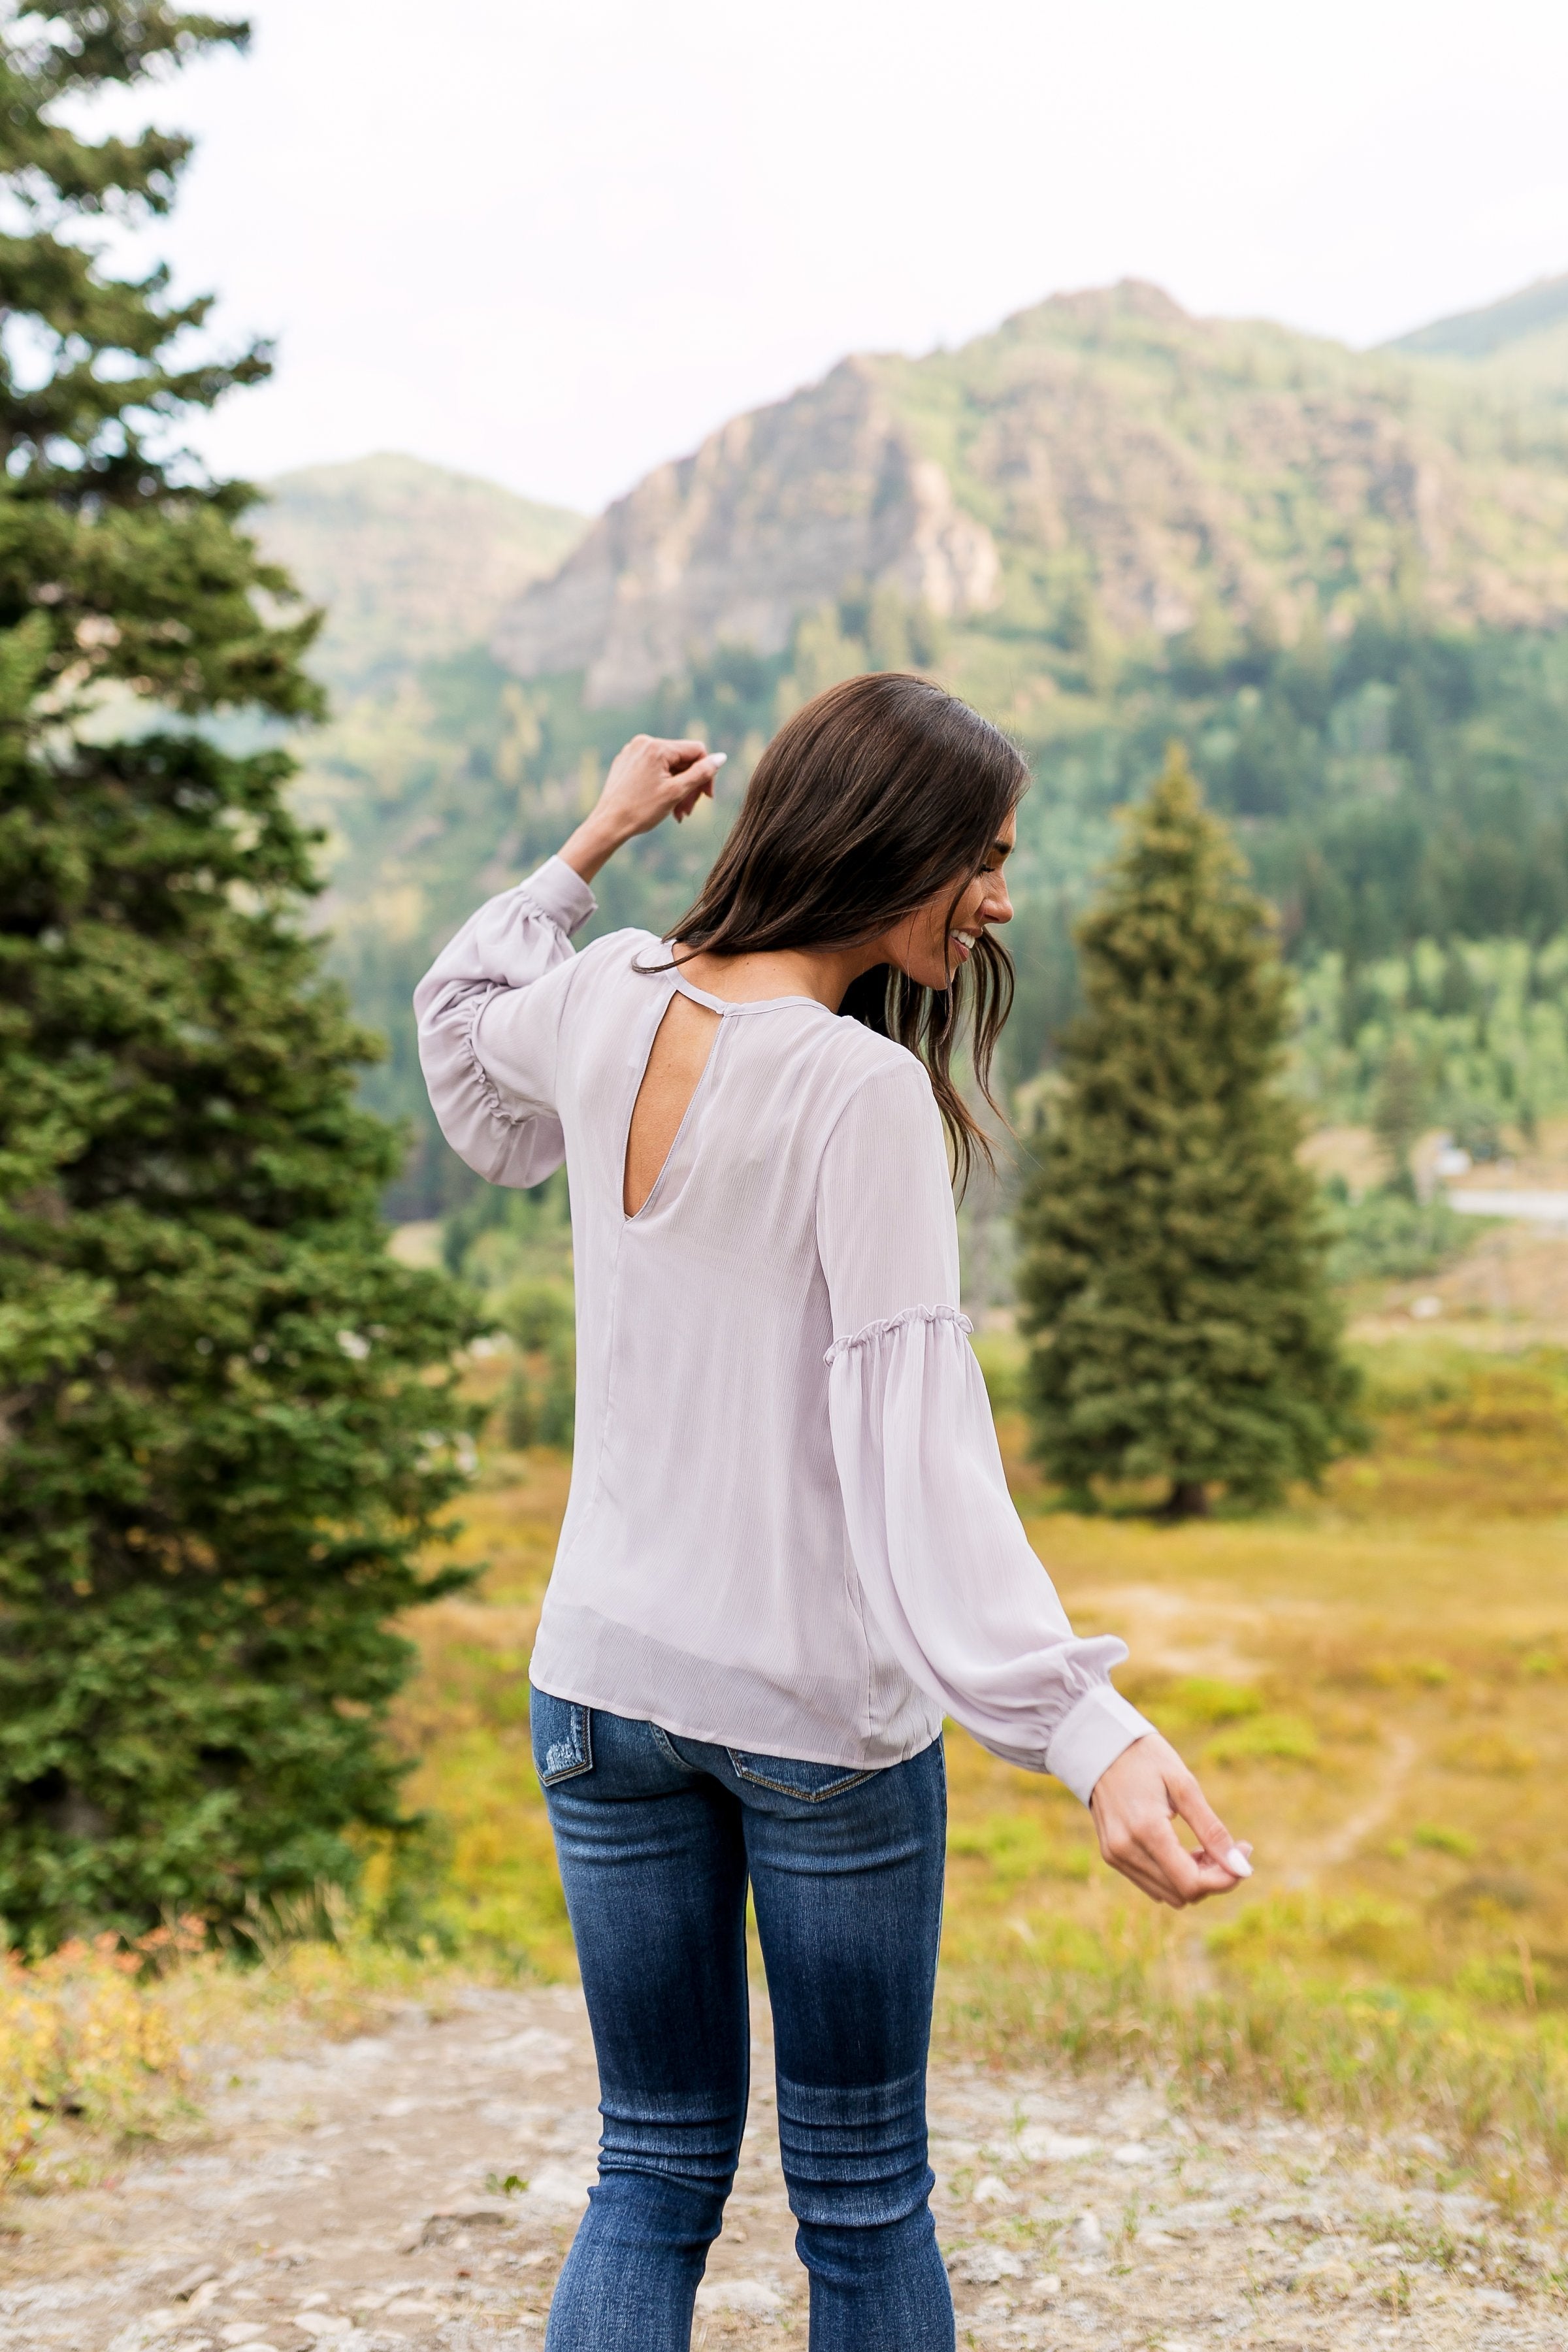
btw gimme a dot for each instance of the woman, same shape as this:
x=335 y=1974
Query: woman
x=789 y=1548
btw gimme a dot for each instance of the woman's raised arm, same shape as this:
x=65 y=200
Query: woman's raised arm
x=489 y=1011
x=650 y=778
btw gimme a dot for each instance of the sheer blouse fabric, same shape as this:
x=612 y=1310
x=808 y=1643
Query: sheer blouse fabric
x=788 y=1530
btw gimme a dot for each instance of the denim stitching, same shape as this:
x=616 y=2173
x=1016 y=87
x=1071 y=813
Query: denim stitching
x=783 y=1788
x=664 y=1740
x=573 y=1761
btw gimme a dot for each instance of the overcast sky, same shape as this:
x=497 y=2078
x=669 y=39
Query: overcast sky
x=555 y=244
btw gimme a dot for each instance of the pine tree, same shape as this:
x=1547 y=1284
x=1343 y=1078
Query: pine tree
x=1171 y=1254
x=221 y=1440
x=1399 y=1112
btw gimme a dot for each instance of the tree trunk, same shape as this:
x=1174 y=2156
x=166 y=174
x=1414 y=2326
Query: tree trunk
x=1188 y=1499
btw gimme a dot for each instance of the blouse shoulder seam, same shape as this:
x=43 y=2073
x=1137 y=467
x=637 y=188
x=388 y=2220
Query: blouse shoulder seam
x=892 y=1323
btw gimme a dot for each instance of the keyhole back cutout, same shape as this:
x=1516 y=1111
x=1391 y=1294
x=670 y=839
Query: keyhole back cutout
x=674 y=1065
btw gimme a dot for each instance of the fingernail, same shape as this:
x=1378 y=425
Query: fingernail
x=717 y=758
x=1236 y=1860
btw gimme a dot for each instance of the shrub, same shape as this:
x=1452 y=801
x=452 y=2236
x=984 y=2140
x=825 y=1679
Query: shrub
x=1391 y=1234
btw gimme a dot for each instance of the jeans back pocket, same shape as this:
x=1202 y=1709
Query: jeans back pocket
x=791 y=1776
x=563 y=1736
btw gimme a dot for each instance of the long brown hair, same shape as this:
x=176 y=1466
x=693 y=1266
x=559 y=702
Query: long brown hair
x=873 y=797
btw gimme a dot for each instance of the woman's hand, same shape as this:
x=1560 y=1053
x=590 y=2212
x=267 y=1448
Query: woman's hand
x=1134 y=1802
x=649 y=779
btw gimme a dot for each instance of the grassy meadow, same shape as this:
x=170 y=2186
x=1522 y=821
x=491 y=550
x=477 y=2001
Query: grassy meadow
x=1374 y=1683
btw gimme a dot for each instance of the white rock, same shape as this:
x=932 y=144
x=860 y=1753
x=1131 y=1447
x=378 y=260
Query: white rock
x=557 y=2185
x=364 y=2049
x=992 y=2189
x=1089 y=2234
x=1040 y=2145
x=988 y=2265
x=535 y=2048
x=322 y=2324
x=1132 y=2151
x=241 y=2331
x=739 y=2294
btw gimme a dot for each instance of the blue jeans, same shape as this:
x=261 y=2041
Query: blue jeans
x=658 y=1837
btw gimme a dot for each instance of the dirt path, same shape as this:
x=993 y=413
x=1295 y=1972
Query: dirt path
x=1352 y=1833
x=348 y=2198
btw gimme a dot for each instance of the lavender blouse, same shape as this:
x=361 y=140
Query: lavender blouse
x=788 y=1529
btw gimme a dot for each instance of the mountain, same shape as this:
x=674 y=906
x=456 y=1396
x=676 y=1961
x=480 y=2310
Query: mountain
x=1104 y=449
x=1341 y=579
x=412 y=562
x=772 y=514
x=1515 y=325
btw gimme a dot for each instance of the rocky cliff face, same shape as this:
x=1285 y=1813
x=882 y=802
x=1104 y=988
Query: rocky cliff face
x=1173 y=462
x=1103 y=450
x=771 y=516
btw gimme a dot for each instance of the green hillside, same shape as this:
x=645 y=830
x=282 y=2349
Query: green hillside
x=1479 y=334
x=410 y=561
x=1156 y=466
x=1521 y=341
x=1400 y=786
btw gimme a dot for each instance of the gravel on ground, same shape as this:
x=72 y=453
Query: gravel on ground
x=416 y=2190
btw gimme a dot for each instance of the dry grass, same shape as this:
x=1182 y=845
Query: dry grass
x=465 y=1719
x=1375 y=1687
x=83 y=2038
x=1509 y=1291
x=1373 y=1684
x=104 y=2045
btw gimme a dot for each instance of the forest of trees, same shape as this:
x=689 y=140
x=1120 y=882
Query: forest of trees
x=228 y=1419
x=1400 y=791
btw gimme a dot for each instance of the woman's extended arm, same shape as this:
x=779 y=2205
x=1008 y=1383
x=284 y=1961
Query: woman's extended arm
x=942 y=1558
x=1135 y=1804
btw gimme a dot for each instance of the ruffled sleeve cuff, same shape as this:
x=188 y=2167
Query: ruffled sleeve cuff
x=1092 y=1737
